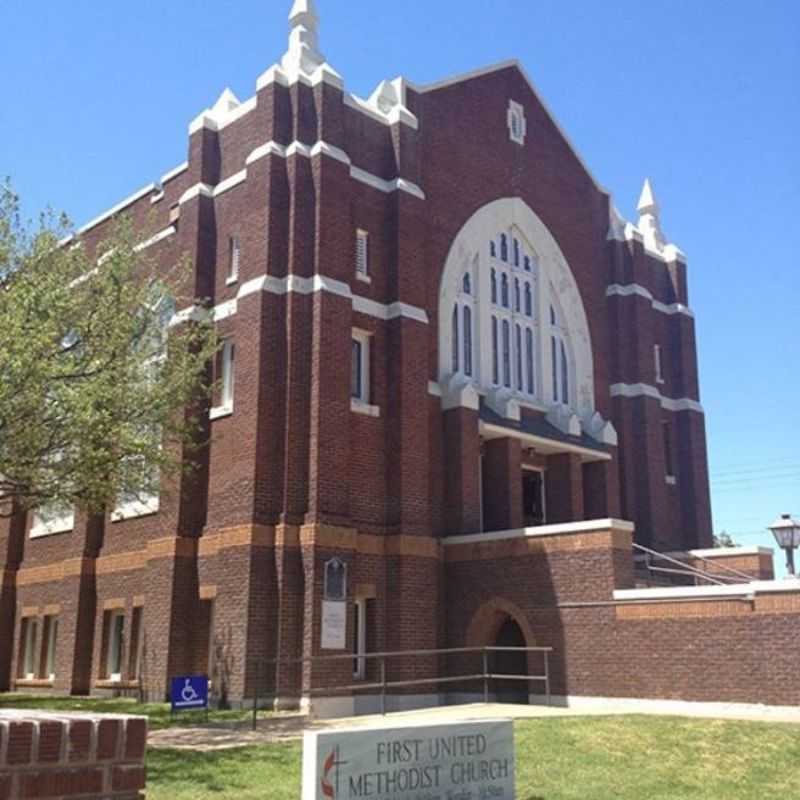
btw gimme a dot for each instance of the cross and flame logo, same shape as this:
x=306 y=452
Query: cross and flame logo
x=329 y=783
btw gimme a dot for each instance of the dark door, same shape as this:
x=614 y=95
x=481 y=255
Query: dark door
x=510 y=663
x=532 y=498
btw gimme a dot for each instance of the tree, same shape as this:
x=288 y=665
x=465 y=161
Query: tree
x=724 y=539
x=100 y=397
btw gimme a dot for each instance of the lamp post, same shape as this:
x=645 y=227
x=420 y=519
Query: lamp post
x=787 y=534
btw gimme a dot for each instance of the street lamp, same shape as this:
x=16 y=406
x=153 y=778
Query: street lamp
x=787 y=534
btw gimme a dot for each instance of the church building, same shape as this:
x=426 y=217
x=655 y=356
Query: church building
x=459 y=407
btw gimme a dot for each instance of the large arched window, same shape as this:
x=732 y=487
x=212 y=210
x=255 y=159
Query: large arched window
x=512 y=322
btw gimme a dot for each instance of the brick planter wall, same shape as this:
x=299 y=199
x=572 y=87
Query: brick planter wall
x=70 y=756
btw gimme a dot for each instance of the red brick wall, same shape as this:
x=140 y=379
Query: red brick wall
x=293 y=453
x=63 y=756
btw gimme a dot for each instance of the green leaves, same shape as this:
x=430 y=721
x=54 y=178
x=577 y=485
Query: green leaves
x=99 y=396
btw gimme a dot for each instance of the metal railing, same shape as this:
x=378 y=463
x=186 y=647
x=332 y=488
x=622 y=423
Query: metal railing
x=383 y=684
x=684 y=569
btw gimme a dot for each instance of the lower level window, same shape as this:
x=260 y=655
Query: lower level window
x=28 y=637
x=51 y=639
x=115 y=636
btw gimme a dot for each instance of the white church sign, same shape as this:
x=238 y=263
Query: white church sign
x=461 y=761
x=334 y=625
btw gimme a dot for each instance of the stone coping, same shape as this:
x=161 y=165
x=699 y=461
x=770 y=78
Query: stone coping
x=563 y=529
x=745 y=590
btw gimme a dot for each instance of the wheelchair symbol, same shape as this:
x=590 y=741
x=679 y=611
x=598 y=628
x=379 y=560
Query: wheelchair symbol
x=188 y=693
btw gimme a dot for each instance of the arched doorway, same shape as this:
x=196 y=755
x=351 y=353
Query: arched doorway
x=501 y=623
x=510 y=663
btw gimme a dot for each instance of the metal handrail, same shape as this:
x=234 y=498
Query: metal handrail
x=685 y=568
x=485 y=675
x=723 y=567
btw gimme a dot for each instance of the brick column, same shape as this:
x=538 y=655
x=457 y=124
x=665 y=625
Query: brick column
x=462 y=471
x=12 y=544
x=502 y=485
x=564 y=488
x=601 y=489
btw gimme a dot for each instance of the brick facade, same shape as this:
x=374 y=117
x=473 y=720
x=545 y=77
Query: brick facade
x=228 y=573
x=63 y=756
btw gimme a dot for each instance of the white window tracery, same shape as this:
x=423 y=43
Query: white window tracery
x=517 y=339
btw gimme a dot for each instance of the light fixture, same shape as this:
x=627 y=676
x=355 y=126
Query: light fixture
x=787 y=535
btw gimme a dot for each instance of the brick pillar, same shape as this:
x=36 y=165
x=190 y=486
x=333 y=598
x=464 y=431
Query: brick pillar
x=601 y=489
x=12 y=544
x=502 y=485
x=564 y=488
x=692 y=464
x=462 y=471
x=290 y=592
x=170 y=607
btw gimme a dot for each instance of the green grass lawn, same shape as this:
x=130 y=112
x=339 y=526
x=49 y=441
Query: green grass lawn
x=573 y=758
x=158 y=713
x=579 y=758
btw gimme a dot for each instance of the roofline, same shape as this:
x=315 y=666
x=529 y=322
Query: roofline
x=488 y=70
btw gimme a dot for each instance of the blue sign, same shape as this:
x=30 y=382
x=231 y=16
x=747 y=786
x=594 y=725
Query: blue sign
x=189 y=692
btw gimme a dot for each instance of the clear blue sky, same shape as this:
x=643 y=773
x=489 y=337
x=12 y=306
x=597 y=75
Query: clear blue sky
x=701 y=96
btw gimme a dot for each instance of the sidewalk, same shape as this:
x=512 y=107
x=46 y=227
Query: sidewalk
x=288 y=727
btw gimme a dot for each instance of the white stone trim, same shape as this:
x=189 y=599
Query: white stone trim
x=725 y=552
x=128 y=201
x=367 y=409
x=627 y=290
x=62 y=524
x=562 y=529
x=155 y=239
x=308 y=151
x=434 y=389
x=173 y=173
x=740 y=590
x=136 y=508
x=645 y=390
x=219 y=412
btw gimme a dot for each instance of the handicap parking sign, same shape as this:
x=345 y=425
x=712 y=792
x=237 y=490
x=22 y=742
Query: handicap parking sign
x=189 y=692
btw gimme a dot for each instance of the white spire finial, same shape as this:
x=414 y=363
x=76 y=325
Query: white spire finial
x=303 y=53
x=647 y=200
x=649 y=222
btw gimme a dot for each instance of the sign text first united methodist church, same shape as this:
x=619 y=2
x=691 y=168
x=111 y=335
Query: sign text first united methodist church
x=461 y=761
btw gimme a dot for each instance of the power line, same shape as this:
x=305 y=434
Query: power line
x=756 y=478
x=753 y=470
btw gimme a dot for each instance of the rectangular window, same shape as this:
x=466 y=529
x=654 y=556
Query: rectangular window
x=669 y=466
x=28 y=635
x=529 y=358
x=115 y=628
x=225 y=376
x=362 y=254
x=234 y=256
x=518 y=346
x=50 y=636
x=657 y=360
x=359 y=368
x=360 y=638
x=134 y=651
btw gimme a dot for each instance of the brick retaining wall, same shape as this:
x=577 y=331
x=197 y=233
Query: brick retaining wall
x=70 y=756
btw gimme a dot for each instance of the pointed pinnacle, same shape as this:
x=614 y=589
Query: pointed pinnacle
x=647 y=200
x=303 y=8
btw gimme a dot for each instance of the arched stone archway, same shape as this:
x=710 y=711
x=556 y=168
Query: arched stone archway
x=501 y=623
